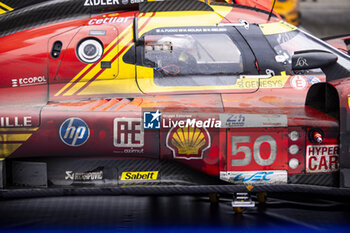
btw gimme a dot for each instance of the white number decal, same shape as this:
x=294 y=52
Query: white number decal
x=256 y=150
x=245 y=149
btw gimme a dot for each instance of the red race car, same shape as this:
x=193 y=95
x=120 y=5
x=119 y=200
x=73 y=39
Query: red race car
x=118 y=96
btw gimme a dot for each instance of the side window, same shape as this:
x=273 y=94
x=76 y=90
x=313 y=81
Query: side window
x=193 y=59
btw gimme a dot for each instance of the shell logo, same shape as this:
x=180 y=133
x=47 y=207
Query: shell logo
x=188 y=142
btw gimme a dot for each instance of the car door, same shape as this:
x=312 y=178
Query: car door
x=79 y=57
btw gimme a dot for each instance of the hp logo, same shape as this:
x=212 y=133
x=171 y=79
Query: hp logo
x=74 y=132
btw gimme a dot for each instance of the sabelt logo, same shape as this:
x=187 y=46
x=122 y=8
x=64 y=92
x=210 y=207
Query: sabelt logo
x=151 y=175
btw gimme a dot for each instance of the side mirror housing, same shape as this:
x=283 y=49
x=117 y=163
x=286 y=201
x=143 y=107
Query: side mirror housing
x=312 y=59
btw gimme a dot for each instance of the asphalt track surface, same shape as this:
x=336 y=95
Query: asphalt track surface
x=281 y=213
x=325 y=18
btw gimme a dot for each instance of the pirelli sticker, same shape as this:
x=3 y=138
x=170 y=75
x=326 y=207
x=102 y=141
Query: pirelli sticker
x=322 y=158
x=139 y=176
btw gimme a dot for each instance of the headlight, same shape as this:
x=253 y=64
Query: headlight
x=293 y=163
x=293 y=149
x=294 y=136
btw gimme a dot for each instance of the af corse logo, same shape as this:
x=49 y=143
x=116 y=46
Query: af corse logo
x=74 y=132
x=128 y=132
x=151 y=120
x=188 y=142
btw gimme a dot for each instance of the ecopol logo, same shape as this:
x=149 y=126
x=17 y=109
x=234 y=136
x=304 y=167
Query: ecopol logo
x=74 y=132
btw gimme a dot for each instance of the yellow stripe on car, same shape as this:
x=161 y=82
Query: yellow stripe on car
x=8 y=8
x=17 y=129
x=8 y=148
x=276 y=28
x=12 y=138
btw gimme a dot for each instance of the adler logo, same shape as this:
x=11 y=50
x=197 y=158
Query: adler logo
x=188 y=142
x=101 y=2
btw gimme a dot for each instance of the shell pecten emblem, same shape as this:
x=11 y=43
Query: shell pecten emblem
x=188 y=142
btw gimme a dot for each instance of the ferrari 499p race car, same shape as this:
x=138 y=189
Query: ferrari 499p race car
x=118 y=96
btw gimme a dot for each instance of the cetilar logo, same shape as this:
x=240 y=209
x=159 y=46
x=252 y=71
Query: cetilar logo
x=151 y=120
x=258 y=176
x=74 y=132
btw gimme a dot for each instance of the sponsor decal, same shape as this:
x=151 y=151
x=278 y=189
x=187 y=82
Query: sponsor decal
x=131 y=151
x=15 y=121
x=83 y=176
x=191 y=30
x=246 y=84
x=139 y=176
x=253 y=120
x=151 y=120
x=298 y=82
x=209 y=123
x=22 y=82
x=108 y=20
x=188 y=142
x=109 y=2
x=128 y=132
x=74 y=132
x=322 y=158
x=255 y=177
x=101 y=2
x=313 y=79
x=301 y=62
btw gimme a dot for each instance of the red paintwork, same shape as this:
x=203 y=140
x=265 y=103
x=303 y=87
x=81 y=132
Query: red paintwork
x=340 y=43
x=26 y=54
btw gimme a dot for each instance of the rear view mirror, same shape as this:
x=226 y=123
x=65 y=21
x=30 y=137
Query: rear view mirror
x=312 y=59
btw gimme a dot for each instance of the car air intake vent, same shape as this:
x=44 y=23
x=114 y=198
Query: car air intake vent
x=180 y=5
